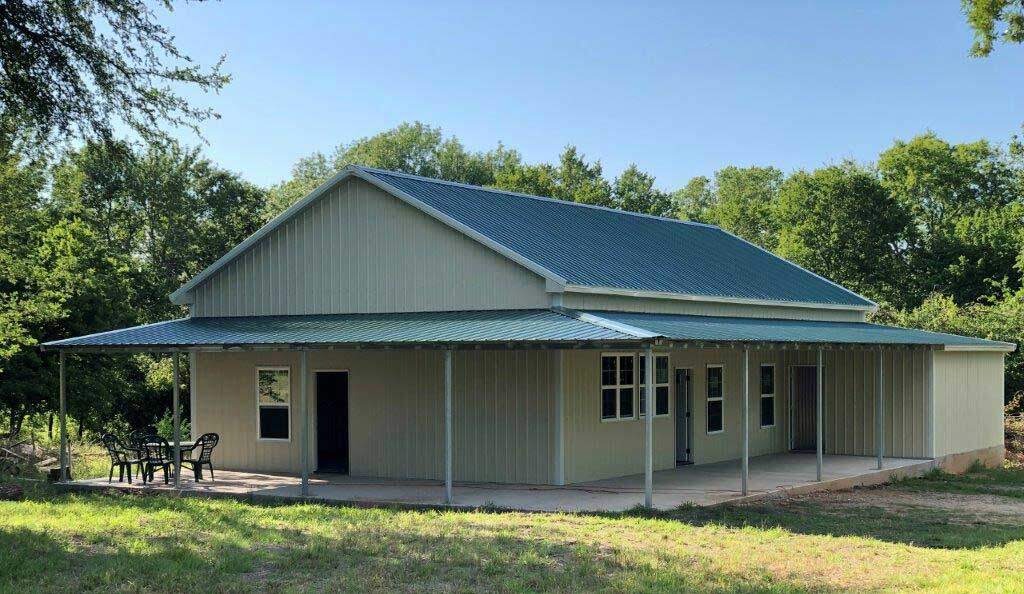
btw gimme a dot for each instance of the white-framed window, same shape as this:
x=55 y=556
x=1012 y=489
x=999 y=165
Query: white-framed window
x=618 y=382
x=661 y=383
x=273 y=403
x=715 y=392
x=767 y=395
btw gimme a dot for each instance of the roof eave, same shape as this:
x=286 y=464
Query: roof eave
x=571 y=288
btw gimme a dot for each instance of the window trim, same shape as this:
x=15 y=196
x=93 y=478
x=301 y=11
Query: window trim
x=708 y=399
x=618 y=387
x=668 y=384
x=259 y=405
x=775 y=390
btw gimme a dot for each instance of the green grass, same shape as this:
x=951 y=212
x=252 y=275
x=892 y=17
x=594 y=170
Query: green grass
x=76 y=542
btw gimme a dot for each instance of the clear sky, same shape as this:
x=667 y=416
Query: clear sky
x=680 y=88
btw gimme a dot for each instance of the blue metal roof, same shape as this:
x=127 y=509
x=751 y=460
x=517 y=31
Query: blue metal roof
x=470 y=327
x=502 y=327
x=722 y=329
x=600 y=247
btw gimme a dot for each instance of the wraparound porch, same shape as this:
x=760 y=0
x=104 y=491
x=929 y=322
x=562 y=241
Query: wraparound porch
x=705 y=484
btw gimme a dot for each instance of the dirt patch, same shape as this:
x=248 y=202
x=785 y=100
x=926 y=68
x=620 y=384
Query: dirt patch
x=969 y=506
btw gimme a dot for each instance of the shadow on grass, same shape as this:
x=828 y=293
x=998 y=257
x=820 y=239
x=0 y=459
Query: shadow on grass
x=918 y=526
x=162 y=543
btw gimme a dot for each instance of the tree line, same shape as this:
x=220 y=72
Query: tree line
x=96 y=231
x=96 y=237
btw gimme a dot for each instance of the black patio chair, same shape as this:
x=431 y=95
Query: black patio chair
x=136 y=443
x=201 y=455
x=121 y=457
x=157 y=455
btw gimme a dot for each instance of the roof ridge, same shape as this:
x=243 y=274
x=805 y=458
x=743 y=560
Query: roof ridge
x=530 y=196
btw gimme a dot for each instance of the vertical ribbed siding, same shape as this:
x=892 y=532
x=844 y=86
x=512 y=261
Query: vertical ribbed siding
x=587 y=301
x=597 y=450
x=361 y=250
x=968 y=401
x=503 y=412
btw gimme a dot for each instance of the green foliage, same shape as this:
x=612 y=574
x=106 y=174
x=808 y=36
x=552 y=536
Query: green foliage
x=165 y=425
x=76 y=67
x=410 y=148
x=122 y=227
x=985 y=18
x=966 y=203
x=999 y=318
x=634 y=191
x=741 y=200
x=822 y=213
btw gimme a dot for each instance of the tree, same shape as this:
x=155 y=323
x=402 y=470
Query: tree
x=77 y=66
x=841 y=223
x=409 y=148
x=986 y=16
x=740 y=200
x=695 y=201
x=965 y=202
x=634 y=191
x=123 y=227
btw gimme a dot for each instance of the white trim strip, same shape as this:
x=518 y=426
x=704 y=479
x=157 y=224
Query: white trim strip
x=712 y=299
x=1005 y=347
x=606 y=323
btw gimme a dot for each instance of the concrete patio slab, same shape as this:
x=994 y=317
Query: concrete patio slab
x=707 y=484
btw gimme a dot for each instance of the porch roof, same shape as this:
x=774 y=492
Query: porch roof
x=404 y=329
x=557 y=326
x=677 y=327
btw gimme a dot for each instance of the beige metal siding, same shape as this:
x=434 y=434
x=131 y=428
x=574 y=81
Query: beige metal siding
x=596 y=449
x=503 y=411
x=728 y=444
x=705 y=308
x=360 y=250
x=968 y=401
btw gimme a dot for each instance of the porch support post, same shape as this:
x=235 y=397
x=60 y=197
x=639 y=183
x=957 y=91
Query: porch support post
x=304 y=447
x=448 y=426
x=63 y=418
x=745 y=466
x=649 y=430
x=880 y=412
x=820 y=415
x=176 y=404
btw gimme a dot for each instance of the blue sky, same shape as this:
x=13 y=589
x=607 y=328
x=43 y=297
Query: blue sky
x=680 y=88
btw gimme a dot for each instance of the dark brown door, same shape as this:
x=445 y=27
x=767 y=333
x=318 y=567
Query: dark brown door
x=332 y=421
x=805 y=413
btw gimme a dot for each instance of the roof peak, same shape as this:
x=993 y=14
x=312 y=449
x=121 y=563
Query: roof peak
x=530 y=196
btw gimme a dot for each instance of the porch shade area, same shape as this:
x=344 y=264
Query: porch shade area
x=555 y=328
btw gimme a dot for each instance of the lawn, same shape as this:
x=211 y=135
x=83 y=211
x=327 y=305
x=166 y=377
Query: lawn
x=939 y=533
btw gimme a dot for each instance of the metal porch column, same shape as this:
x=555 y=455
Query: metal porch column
x=64 y=461
x=304 y=446
x=880 y=412
x=649 y=431
x=745 y=466
x=176 y=404
x=448 y=426
x=820 y=415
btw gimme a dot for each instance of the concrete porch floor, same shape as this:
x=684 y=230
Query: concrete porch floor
x=706 y=484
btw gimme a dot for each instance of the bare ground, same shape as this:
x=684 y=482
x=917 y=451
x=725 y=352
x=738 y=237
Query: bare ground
x=977 y=507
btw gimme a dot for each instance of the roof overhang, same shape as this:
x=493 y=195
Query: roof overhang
x=557 y=328
x=569 y=288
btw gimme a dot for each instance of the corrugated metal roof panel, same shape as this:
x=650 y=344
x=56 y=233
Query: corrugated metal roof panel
x=599 y=247
x=428 y=327
x=711 y=329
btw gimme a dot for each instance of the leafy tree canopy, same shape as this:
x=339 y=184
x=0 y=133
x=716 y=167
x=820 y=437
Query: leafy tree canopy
x=994 y=20
x=76 y=67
